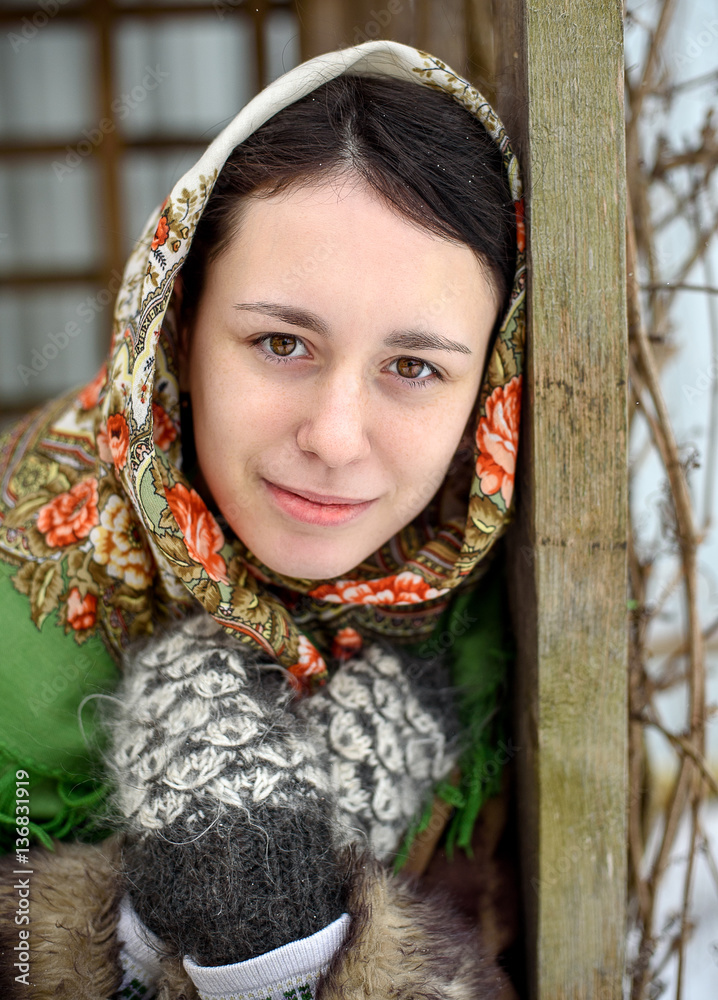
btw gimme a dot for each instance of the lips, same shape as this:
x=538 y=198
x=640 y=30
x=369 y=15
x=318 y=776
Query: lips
x=319 y=497
x=325 y=510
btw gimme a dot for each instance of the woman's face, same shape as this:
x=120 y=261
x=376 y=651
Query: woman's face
x=334 y=361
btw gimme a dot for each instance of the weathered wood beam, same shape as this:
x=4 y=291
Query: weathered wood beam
x=559 y=76
x=441 y=28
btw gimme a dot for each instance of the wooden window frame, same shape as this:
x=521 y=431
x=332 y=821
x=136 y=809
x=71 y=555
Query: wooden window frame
x=105 y=17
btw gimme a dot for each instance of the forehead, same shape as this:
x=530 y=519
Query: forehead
x=339 y=235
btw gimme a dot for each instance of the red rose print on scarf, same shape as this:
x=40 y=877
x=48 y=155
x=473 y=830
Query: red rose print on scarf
x=520 y=225
x=497 y=439
x=405 y=588
x=118 y=434
x=81 y=611
x=103 y=444
x=346 y=643
x=70 y=516
x=161 y=233
x=202 y=535
x=88 y=397
x=310 y=663
x=163 y=430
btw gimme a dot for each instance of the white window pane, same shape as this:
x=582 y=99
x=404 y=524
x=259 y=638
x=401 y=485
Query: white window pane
x=44 y=90
x=281 y=41
x=48 y=213
x=51 y=340
x=183 y=76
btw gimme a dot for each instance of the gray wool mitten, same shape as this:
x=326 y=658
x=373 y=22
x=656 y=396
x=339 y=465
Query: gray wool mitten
x=239 y=799
x=390 y=732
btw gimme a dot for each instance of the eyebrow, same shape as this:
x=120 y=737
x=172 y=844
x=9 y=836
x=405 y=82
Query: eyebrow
x=411 y=340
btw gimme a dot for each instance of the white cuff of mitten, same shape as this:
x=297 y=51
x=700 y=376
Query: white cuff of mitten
x=287 y=973
x=140 y=953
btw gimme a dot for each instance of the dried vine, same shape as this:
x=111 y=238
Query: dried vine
x=685 y=175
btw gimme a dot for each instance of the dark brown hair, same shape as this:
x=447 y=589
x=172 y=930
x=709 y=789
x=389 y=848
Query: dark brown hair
x=418 y=148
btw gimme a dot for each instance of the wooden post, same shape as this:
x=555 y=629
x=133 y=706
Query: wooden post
x=560 y=73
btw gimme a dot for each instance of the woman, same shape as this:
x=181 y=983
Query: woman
x=306 y=429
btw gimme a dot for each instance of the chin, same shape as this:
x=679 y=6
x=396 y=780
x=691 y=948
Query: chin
x=300 y=570
x=312 y=566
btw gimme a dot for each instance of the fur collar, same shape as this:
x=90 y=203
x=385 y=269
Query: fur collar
x=401 y=944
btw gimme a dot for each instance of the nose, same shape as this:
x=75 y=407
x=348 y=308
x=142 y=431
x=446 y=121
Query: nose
x=336 y=427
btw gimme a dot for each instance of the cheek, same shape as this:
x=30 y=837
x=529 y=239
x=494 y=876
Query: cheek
x=239 y=420
x=428 y=438
x=422 y=455
x=212 y=408
x=424 y=473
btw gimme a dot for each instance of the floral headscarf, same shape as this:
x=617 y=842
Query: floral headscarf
x=105 y=527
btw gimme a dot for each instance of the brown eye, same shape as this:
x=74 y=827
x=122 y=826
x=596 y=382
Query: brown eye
x=409 y=367
x=282 y=345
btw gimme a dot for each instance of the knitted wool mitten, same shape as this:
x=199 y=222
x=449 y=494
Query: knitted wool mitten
x=389 y=730
x=238 y=800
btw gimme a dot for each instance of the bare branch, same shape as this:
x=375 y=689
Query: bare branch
x=680 y=287
x=650 y=64
x=682 y=85
x=685 y=746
